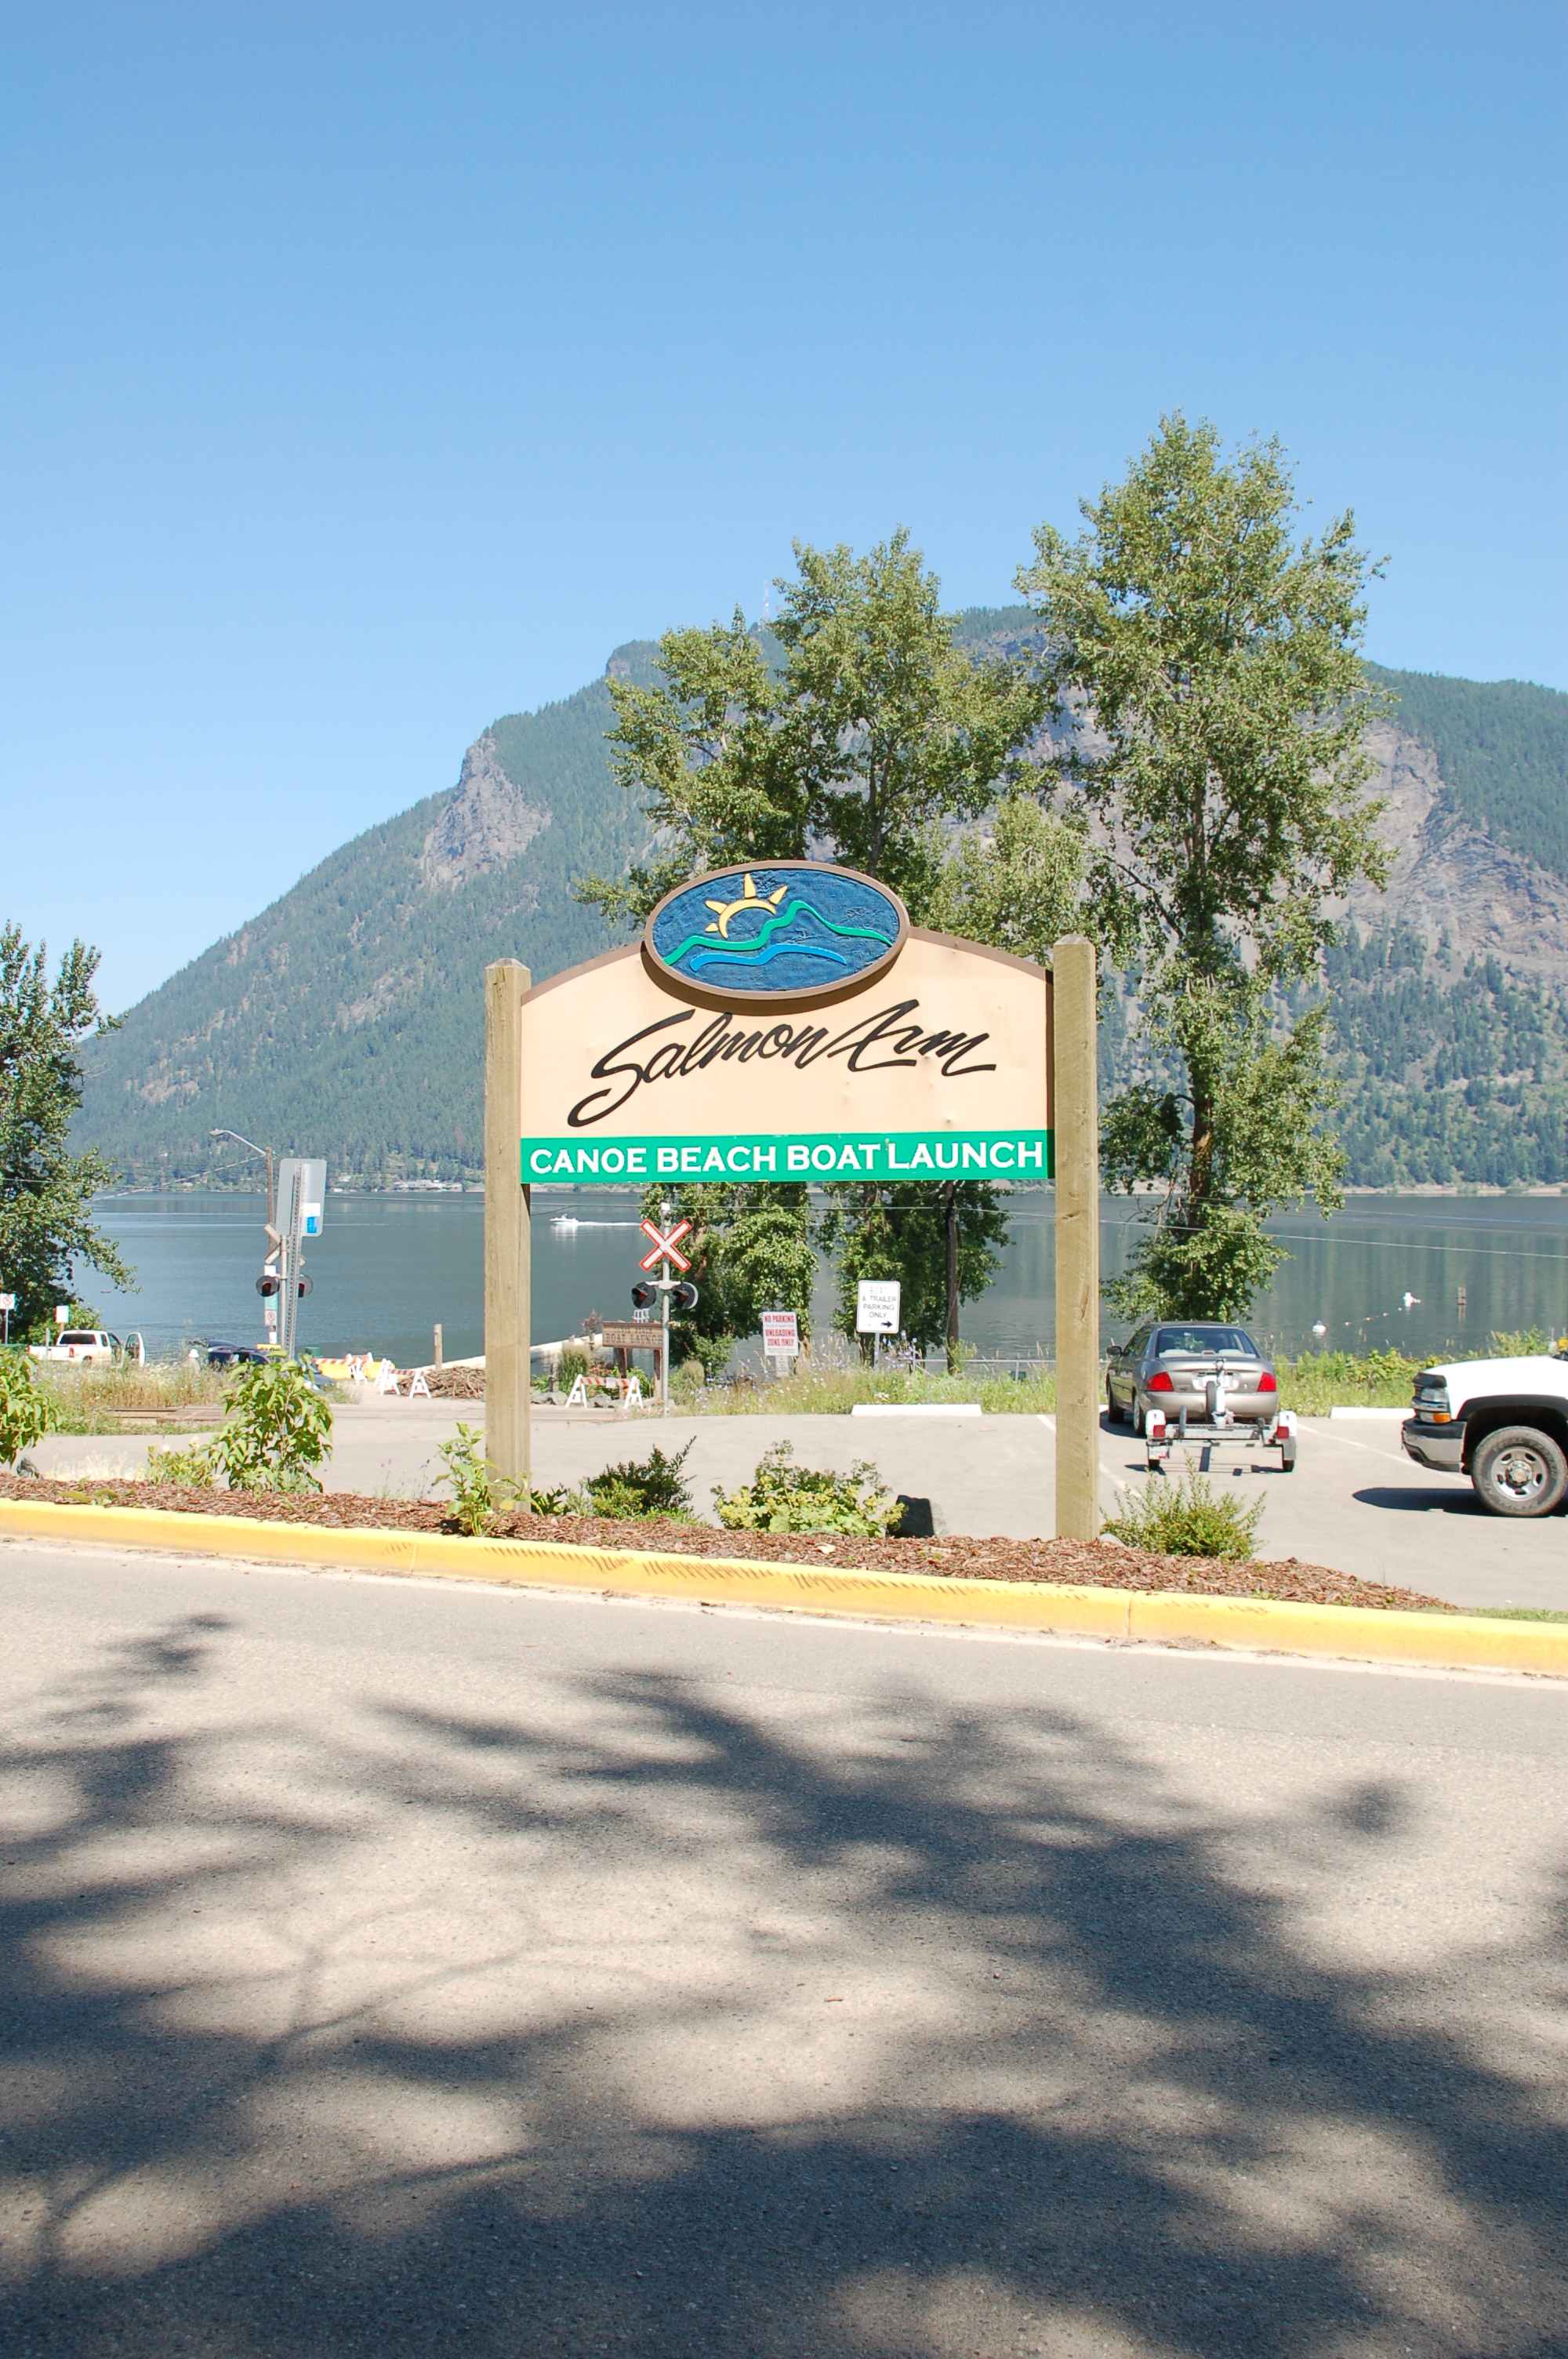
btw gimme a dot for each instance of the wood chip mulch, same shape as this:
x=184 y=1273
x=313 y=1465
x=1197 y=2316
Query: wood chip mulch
x=1098 y=1564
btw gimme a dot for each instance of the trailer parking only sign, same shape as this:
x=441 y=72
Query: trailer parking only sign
x=876 y=1306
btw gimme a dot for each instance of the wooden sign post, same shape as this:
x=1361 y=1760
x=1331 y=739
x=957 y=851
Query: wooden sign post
x=508 y=1225
x=1075 y=1116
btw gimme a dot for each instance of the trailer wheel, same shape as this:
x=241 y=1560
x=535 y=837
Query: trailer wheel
x=1287 y=1457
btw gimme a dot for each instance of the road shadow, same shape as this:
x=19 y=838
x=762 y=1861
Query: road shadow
x=1141 y=2121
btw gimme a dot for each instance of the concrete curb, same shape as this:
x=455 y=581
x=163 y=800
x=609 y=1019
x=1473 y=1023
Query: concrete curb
x=1352 y=1633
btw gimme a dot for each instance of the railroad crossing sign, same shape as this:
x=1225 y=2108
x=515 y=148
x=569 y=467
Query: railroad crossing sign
x=665 y=1247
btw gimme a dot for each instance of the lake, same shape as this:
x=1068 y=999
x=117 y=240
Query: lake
x=388 y=1267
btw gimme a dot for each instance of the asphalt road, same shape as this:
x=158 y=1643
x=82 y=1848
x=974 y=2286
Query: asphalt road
x=1354 y=1500
x=400 y=1968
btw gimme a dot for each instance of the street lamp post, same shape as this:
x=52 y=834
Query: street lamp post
x=266 y=1151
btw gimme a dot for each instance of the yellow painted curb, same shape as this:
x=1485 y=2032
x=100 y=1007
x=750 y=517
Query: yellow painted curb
x=1358 y=1633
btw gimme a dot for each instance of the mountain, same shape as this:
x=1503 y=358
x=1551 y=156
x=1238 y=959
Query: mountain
x=347 y=1018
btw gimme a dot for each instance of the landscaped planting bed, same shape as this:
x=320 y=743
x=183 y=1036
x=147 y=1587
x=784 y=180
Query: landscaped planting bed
x=1100 y=1564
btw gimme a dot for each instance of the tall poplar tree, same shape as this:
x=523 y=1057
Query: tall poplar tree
x=1213 y=660
x=46 y=1192
x=866 y=745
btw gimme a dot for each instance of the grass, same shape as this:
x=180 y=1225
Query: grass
x=127 y=1399
x=1320 y=1381
x=832 y=1379
x=822 y=1388
x=1514 y=1612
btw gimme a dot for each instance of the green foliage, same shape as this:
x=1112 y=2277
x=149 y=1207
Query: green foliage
x=479 y=1495
x=1502 y=750
x=750 y=1250
x=1217 y=659
x=278 y=1430
x=880 y=729
x=188 y=1470
x=889 y=1228
x=640 y=1488
x=891 y=728
x=46 y=1192
x=782 y=1497
x=1187 y=1518
x=27 y=1412
x=574 y=1363
x=1519 y=1343
x=1019 y=884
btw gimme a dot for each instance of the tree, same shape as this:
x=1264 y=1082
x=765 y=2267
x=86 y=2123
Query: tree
x=875 y=734
x=941 y=1241
x=1212 y=660
x=750 y=1250
x=889 y=727
x=45 y=1191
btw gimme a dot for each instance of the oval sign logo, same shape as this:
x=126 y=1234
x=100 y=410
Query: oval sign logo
x=776 y=934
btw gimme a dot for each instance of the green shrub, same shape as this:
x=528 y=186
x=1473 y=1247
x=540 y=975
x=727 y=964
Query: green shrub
x=566 y=1499
x=1188 y=1518
x=653 y=1487
x=278 y=1429
x=191 y=1470
x=1519 y=1343
x=785 y=1498
x=27 y=1413
x=572 y=1364
x=479 y=1495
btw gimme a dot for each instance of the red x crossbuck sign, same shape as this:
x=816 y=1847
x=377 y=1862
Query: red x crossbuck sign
x=665 y=1247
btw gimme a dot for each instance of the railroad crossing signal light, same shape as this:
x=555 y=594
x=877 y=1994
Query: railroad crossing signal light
x=684 y=1296
x=644 y=1298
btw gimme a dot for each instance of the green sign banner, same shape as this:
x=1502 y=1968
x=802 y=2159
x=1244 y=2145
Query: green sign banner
x=791 y=1155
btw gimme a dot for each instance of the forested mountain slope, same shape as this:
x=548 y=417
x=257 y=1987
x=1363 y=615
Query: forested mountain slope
x=347 y=1017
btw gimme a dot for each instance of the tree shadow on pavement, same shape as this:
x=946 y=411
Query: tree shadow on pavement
x=1101 y=2098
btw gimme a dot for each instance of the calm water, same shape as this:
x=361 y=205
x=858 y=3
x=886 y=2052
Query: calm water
x=389 y=1267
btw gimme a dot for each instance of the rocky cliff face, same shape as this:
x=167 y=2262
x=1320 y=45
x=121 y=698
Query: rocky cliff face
x=487 y=821
x=1451 y=878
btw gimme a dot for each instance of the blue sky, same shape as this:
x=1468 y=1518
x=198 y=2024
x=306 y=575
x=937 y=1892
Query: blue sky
x=371 y=372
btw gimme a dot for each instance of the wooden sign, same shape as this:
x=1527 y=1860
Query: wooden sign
x=938 y=1065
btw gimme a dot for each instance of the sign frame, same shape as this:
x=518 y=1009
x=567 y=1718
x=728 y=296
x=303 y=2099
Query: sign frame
x=942 y=1045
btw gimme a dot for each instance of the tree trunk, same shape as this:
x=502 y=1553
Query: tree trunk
x=1200 y=1175
x=950 y=1195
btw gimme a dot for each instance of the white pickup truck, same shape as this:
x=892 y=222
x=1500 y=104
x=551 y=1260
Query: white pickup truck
x=89 y=1347
x=1502 y=1422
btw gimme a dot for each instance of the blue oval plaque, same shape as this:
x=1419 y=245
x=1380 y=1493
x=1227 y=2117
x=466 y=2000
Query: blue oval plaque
x=774 y=934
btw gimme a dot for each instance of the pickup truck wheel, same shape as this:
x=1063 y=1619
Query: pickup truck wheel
x=1518 y=1470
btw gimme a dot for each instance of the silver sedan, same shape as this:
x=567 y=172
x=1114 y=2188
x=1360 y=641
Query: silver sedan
x=1199 y=1375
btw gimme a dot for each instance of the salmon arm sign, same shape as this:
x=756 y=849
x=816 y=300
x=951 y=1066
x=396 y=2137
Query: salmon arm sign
x=787 y=1022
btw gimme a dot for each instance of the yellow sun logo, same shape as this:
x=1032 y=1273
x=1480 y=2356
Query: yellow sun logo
x=750 y=900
